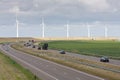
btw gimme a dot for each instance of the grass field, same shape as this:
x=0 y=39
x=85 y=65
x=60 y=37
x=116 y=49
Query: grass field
x=10 y=70
x=94 y=48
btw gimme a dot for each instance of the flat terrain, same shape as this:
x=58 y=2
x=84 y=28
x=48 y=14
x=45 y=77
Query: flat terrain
x=45 y=69
x=93 y=48
x=10 y=70
x=105 y=70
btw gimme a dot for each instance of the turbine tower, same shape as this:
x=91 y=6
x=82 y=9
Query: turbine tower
x=106 y=31
x=17 y=22
x=43 y=28
x=67 y=29
x=88 y=30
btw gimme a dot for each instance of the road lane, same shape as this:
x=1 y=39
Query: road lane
x=92 y=58
x=47 y=70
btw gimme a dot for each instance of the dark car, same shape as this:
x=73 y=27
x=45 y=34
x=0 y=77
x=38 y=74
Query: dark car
x=33 y=46
x=45 y=46
x=39 y=48
x=104 y=59
x=62 y=52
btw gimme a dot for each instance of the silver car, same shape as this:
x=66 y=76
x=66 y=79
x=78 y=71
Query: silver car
x=104 y=59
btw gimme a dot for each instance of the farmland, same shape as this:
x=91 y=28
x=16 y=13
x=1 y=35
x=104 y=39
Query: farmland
x=92 y=48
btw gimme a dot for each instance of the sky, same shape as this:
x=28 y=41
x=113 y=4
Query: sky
x=56 y=14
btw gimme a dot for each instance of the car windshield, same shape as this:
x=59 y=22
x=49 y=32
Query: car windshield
x=104 y=57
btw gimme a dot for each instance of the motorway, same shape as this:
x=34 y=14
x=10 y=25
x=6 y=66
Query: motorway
x=91 y=58
x=44 y=69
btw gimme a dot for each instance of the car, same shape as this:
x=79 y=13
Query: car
x=33 y=46
x=39 y=48
x=104 y=59
x=45 y=46
x=62 y=52
x=27 y=44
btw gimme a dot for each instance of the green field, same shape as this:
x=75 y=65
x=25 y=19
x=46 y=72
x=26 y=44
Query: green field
x=10 y=70
x=93 y=48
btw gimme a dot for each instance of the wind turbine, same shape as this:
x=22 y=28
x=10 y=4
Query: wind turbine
x=17 y=22
x=106 y=31
x=67 y=29
x=43 y=24
x=88 y=30
x=43 y=28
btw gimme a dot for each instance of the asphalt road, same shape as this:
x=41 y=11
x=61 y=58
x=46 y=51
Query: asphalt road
x=44 y=69
x=92 y=58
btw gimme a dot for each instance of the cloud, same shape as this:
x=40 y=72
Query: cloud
x=58 y=7
x=72 y=8
x=67 y=9
x=15 y=9
x=96 y=5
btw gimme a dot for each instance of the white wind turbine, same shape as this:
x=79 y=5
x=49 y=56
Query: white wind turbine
x=88 y=30
x=67 y=29
x=42 y=24
x=17 y=22
x=43 y=28
x=106 y=31
x=17 y=25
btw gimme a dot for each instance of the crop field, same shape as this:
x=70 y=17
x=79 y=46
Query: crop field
x=10 y=70
x=92 y=48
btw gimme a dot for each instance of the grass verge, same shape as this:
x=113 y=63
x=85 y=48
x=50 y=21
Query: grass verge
x=10 y=70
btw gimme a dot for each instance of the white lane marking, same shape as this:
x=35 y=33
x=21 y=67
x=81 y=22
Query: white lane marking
x=59 y=65
x=31 y=65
